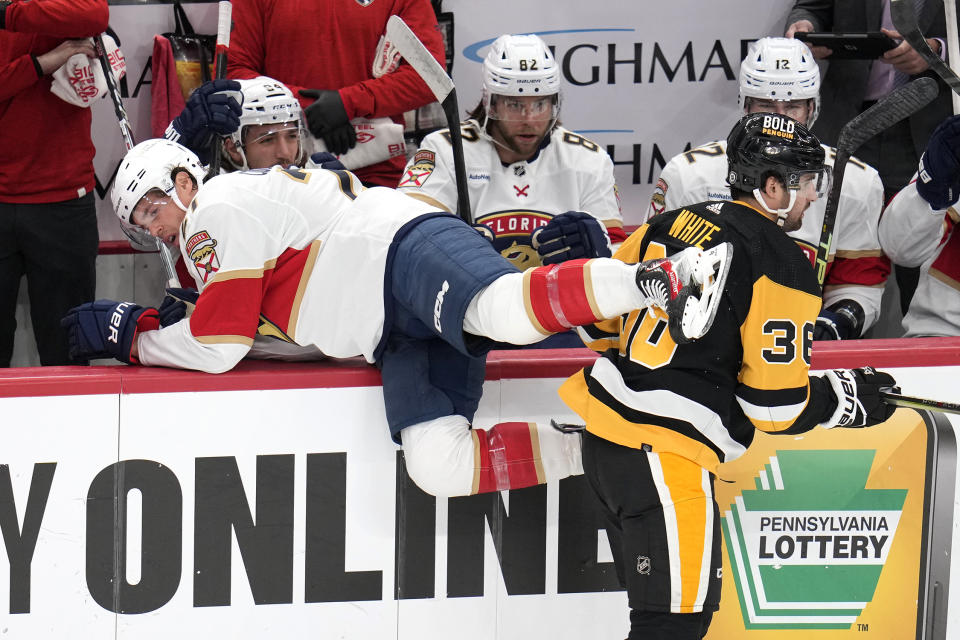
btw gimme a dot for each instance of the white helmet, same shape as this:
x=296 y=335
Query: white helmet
x=519 y=65
x=150 y=165
x=780 y=69
x=266 y=101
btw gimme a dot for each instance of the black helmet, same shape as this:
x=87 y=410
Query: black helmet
x=769 y=142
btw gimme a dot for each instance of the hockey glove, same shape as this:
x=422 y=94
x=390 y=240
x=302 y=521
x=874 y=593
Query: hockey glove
x=938 y=181
x=177 y=305
x=485 y=231
x=858 y=397
x=570 y=236
x=107 y=328
x=327 y=119
x=210 y=110
x=840 y=321
x=325 y=160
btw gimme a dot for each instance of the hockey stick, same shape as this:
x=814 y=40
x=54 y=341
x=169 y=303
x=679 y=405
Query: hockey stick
x=444 y=91
x=918 y=403
x=127 y=132
x=125 y=129
x=893 y=108
x=904 y=17
x=953 y=44
x=224 y=17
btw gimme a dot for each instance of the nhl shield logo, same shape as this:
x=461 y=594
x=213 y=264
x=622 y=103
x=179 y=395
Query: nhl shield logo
x=364 y=3
x=643 y=565
x=200 y=248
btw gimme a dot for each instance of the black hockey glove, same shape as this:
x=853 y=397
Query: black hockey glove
x=570 y=236
x=107 y=328
x=485 y=231
x=858 y=397
x=938 y=181
x=177 y=305
x=210 y=111
x=327 y=119
x=326 y=160
x=842 y=320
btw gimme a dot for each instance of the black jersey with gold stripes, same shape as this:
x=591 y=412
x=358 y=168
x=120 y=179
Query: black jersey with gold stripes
x=703 y=400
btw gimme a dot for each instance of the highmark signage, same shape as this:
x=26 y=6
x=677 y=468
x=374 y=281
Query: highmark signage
x=823 y=534
x=807 y=546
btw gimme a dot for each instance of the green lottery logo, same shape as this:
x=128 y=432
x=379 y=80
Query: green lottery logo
x=807 y=546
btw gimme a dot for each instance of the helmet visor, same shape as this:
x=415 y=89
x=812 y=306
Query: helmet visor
x=519 y=108
x=147 y=208
x=815 y=184
x=264 y=134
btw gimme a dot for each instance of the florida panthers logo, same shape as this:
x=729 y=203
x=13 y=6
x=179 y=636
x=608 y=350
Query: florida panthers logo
x=200 y=248
x=509 y=232
x=422 y=167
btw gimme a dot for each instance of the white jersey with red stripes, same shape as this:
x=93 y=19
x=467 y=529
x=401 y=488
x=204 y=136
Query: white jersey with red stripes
x=568 y=173
x=294 y=254
x=857 y=268
x=913 y=234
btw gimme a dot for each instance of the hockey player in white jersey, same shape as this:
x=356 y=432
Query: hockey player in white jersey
x=260 y=120
x=919 y=228
x=313 y=258
x=523 y=169
x=780 y=75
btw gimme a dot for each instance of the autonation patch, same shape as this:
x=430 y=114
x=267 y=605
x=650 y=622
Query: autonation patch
x=807 y=546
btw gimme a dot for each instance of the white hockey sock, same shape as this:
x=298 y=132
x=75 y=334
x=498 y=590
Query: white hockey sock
x=447 y=459
x=522 y=308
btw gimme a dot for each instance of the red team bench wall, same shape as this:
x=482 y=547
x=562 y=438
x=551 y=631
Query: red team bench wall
x=139 y=502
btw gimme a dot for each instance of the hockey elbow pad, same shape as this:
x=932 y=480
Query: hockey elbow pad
x=842 y=320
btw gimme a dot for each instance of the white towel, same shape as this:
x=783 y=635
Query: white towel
x=80 y=80
x=378 y=139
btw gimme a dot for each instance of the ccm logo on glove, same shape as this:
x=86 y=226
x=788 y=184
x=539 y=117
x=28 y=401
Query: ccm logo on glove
x=438 y=305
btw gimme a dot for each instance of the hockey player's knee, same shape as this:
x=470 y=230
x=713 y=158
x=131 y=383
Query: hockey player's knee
x=439 y=456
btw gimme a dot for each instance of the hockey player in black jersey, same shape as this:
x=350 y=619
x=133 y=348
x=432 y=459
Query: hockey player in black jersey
x=661 y=416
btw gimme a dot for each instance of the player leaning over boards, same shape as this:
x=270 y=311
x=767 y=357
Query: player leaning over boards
x=523 y=169
x=780 y=75
x=314 y=258
x=660 y=417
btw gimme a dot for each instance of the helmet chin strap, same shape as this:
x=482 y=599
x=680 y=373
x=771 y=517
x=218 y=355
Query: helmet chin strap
x=486 y=134
x=176 y=200
x=780 y=213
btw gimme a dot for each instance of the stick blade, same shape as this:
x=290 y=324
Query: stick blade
x=894 y=107
x=904 y=16
x=417 y=55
